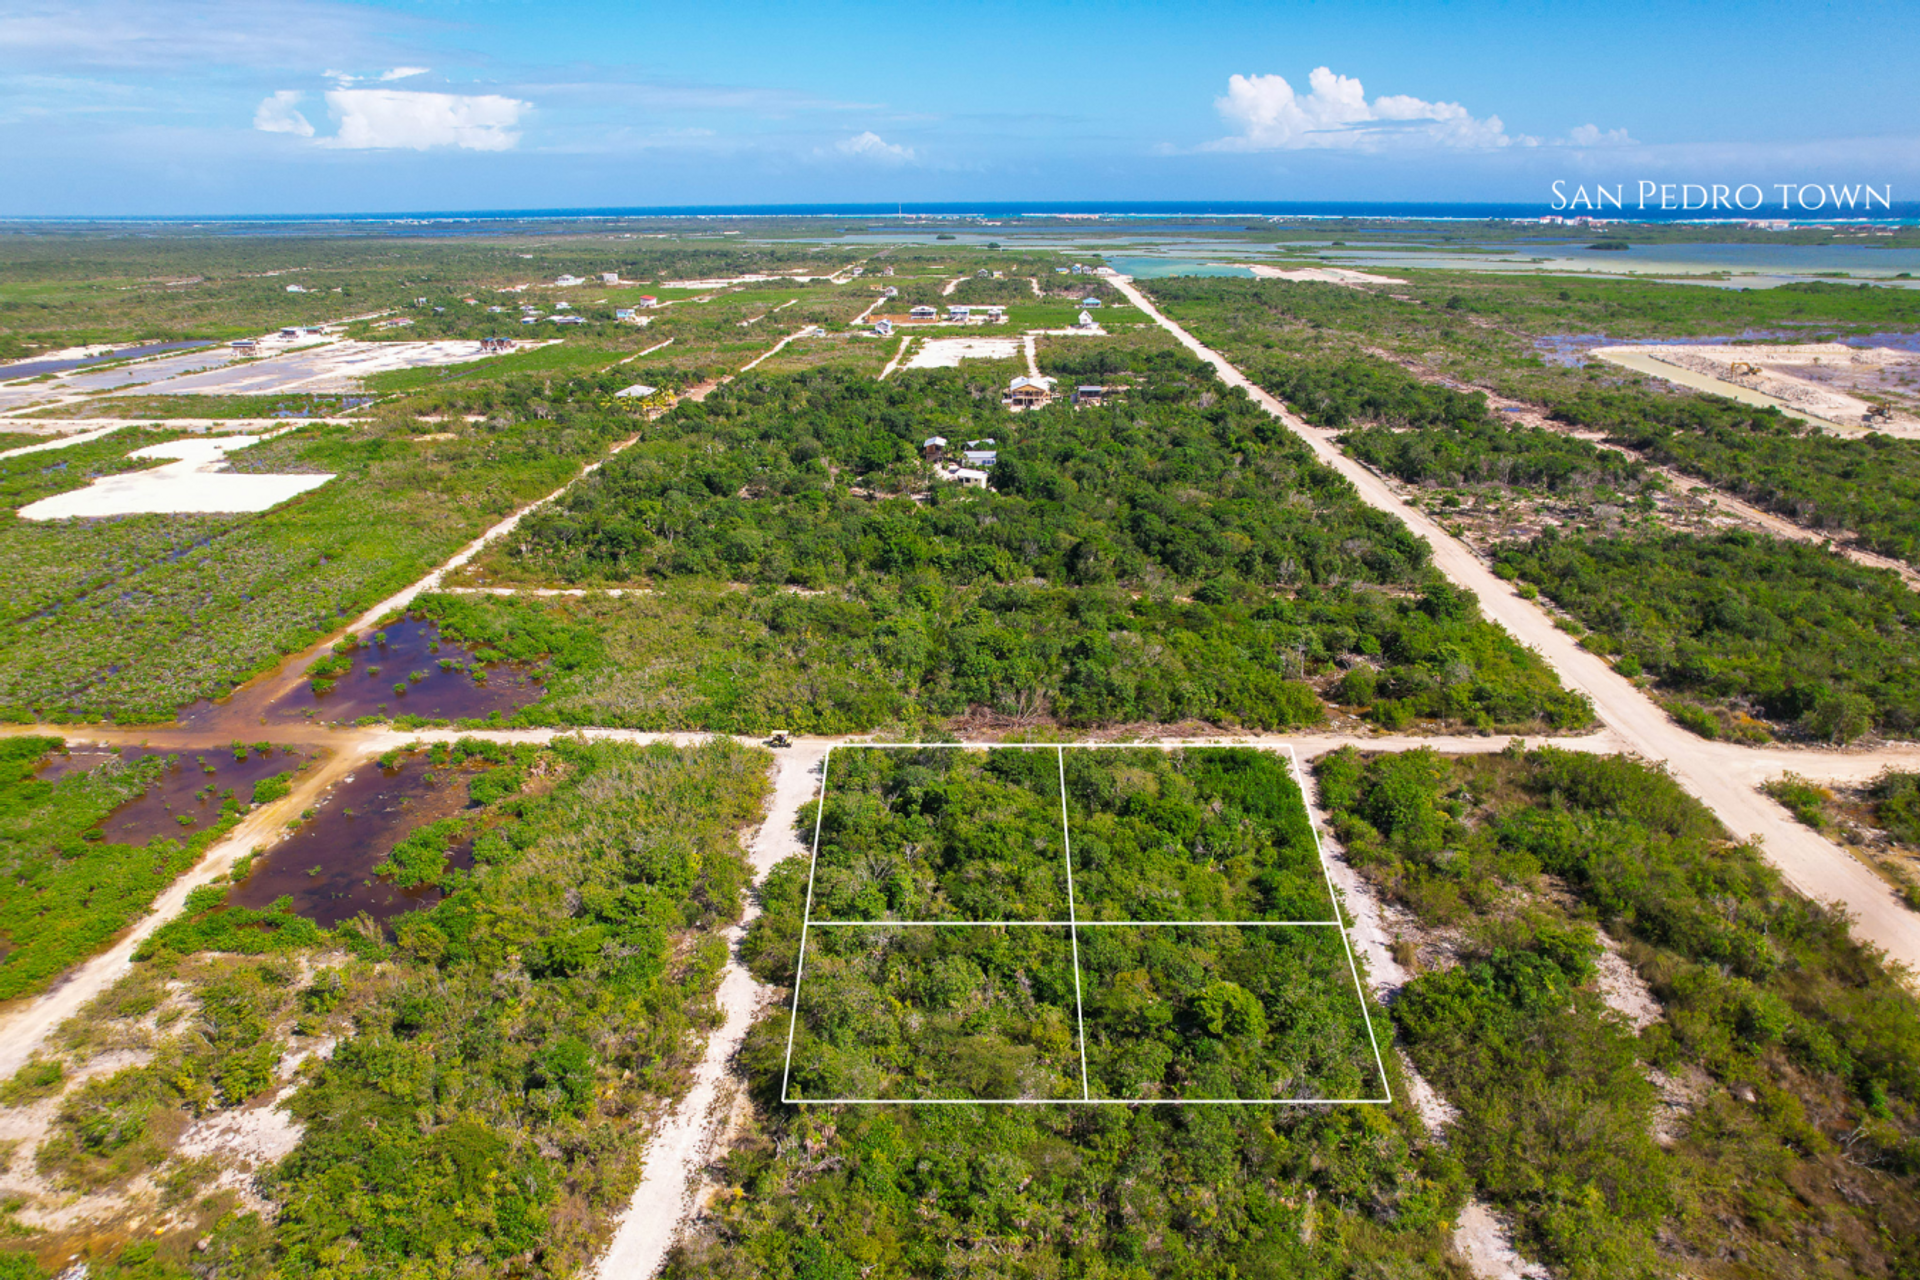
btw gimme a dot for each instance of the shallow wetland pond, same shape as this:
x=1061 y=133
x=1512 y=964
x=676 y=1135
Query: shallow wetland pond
x=326 y=865
x=187 y=796
x=404 y=668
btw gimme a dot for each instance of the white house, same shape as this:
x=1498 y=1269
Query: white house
x=884 y=328
x=566 y=282
x=924 y=313
x=969 y=476
x=638 y=391
x=980 y=457
x=1085 y=321
x=609 y=277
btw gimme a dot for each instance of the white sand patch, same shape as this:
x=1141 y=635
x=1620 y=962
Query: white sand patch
x=250 y=1138
x=78 y=437
x=1622 y=987
x=1318 y=275
x=947 y=353
x=1484 y=1240
x=196 y=483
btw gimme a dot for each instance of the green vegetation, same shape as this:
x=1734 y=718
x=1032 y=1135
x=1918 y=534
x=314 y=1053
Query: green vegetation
x=451 y=1133
x=1240 y=1012
x=69 y=890
x=936 y=1013
x=941 y=833
x=1802 y=1101
x=1424 y=434
x=1740 y=622
x=1052 y=1190
x=1867 y=486
x=169 y=609
x=1201 y=834
x=1055 y=594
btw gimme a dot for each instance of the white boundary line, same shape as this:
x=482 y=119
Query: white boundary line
x=1072 y=925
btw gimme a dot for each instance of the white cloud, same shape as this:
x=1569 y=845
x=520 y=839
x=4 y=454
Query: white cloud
x=401 y=73
x=1589 y=135
x=278 y=115
x=1269 y=116
x=871 y=146
x=399 y=119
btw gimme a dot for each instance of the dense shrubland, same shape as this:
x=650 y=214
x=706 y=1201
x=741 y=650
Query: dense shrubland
x=1742 y=622
x=1867 y=486
x=1790 y=1048
x=499 y=1061
x=1172 y=1011
x=1060 y=592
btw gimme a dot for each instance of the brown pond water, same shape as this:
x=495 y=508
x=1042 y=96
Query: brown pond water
x=184 y=789
x=326 y=865
x=450 y=685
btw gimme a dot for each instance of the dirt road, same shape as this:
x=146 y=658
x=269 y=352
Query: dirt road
x=1714 y=773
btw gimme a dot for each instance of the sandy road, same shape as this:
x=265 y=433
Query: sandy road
x=1842 y=541
x=684 y=1143
x=1718 y=775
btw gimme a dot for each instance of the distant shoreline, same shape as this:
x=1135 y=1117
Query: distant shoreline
x=1904 y=213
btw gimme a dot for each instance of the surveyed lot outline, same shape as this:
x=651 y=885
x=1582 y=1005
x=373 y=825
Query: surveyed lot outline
x=1072 y=924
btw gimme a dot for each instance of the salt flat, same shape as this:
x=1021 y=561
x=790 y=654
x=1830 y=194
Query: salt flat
x=194 y=483
x=333 y=366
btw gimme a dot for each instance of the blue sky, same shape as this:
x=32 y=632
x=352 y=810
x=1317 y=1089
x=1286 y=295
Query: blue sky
x=228 y=107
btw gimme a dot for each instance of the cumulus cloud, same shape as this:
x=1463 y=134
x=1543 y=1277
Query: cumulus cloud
x=1589 y=135
x=1268 y=115
x=279 y=114
x=398 y=119
x=871 y=146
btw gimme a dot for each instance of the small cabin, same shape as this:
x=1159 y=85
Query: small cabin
x=1089 y=395
x=972 y=477
x=933 y=445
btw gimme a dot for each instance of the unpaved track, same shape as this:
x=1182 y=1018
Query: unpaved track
x=684 y=1143
x=1842 y=541
x=1713 y=772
